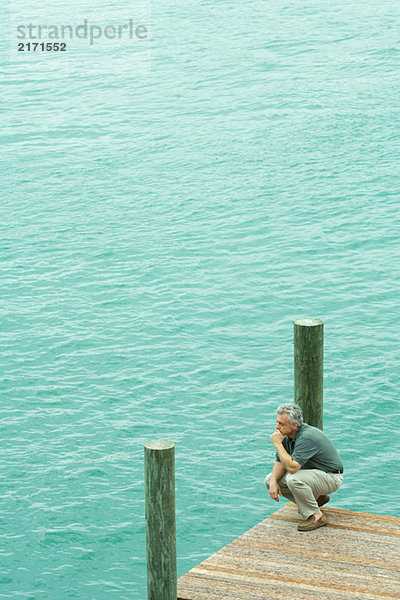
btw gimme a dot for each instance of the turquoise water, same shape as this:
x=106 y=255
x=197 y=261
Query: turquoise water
x=168 y=208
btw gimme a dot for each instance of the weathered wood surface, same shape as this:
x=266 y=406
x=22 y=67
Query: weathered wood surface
x=356 y=556
x=159 y=486
x=308 y=369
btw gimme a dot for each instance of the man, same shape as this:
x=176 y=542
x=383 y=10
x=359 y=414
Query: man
x=307 y=468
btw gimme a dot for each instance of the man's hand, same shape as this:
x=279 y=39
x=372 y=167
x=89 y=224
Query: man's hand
x=274 y=490
x=277 y=437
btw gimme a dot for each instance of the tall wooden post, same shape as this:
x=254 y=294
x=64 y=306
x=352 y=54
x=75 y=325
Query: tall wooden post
x=308 y=369
x=159 y=467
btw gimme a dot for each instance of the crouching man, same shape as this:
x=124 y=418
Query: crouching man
x=307 y=468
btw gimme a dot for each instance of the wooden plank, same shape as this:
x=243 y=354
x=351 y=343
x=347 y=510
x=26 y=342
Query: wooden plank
x=356 y=556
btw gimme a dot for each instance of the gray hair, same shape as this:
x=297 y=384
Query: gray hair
x=293 y=411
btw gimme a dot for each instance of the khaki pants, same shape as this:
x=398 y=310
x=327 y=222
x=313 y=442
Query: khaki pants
x=304 y=487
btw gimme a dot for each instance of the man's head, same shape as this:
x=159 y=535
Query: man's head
x=289 y=419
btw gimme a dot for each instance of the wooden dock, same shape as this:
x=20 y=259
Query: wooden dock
x=356 y=556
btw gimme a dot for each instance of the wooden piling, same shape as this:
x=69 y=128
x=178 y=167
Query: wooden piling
x=159 y=465
x=308 y=369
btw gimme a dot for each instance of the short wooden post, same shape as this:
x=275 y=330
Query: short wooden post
x=308 y=369
x=159 y=467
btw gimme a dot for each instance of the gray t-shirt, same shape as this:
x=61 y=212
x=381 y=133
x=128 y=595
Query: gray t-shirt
x=312 y=449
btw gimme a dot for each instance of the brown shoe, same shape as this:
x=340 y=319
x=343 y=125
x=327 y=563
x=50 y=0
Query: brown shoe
x=321 y=500
x=310 y=523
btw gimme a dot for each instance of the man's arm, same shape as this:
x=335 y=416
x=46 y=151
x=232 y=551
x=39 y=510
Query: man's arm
x=278 y=471
x=289 y=465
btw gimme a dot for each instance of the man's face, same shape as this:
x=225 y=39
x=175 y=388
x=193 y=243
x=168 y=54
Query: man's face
x=283 y=425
